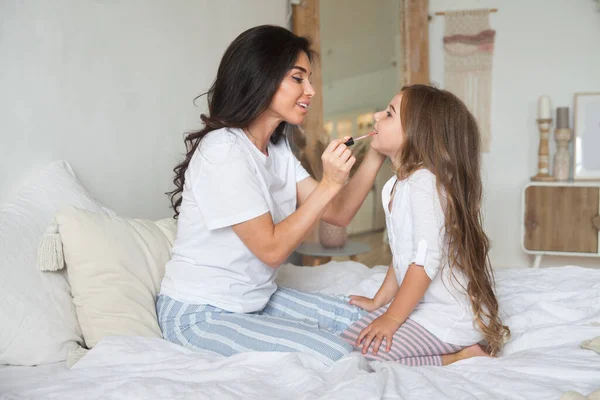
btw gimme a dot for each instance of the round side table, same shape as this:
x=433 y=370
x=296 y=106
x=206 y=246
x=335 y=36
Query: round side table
x=315 y=254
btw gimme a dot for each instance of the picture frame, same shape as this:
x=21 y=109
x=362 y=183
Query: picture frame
x=586 y=143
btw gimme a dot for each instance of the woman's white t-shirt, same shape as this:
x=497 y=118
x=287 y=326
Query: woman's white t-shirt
x=229 y=181
x=416 y=235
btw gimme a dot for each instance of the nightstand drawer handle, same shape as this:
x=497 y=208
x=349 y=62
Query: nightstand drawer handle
x=596 y=221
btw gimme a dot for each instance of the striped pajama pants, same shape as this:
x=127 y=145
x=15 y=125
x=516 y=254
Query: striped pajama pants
x=412 y=344
x=292 y=321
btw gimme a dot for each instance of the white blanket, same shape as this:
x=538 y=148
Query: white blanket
x=550 y=311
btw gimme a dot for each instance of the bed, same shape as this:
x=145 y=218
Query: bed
x=550 y=312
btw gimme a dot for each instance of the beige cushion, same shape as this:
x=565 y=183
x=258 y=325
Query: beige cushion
x=115 y=266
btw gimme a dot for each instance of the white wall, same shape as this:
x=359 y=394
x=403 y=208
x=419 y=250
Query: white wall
x=108 y=86
x=542 y=47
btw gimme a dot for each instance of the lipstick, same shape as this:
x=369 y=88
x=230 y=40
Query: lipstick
x=351 y=141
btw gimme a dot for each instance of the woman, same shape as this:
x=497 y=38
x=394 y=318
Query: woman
x=245 y=203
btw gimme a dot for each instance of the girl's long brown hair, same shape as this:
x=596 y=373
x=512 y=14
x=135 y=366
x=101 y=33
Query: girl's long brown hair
x=440 y=134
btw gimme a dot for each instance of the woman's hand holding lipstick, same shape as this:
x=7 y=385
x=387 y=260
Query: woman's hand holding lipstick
x=351 y=141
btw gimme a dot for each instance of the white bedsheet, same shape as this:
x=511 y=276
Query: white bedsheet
x=550 y=311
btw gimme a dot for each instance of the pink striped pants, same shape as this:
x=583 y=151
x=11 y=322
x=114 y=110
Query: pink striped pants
x=412 y=344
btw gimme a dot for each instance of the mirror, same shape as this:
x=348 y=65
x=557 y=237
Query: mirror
x=360 y=66
x=360 y=56
x=367 y=52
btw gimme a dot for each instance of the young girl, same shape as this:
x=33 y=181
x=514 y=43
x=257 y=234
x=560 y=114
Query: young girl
x=441 y=282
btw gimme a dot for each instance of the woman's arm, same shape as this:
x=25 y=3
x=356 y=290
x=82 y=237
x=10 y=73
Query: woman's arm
x=384 y=295
x=413 y=288
x=346 y=203
x=273 y=243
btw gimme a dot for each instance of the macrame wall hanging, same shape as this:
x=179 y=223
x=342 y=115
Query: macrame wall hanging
x=469 y=48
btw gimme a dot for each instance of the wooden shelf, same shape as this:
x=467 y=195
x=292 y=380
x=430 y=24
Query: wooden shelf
x=561 y=218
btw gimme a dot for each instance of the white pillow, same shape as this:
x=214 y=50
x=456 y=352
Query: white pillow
x=38 y=318
x=115 y=267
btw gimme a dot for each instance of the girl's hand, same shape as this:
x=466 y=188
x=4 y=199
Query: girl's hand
x=365 y=303
x=337 y=161
x=383 y=327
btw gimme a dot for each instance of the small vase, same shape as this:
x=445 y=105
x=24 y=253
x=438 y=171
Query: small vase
x=562 y=158
x=332 y=236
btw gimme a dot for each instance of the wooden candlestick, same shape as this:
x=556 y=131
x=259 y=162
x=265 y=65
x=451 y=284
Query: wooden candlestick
x=543 y=174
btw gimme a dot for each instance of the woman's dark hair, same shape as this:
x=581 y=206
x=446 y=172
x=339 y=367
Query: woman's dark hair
x=249 y=74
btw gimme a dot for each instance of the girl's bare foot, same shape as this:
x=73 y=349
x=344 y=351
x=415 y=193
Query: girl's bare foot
x=468 y=352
